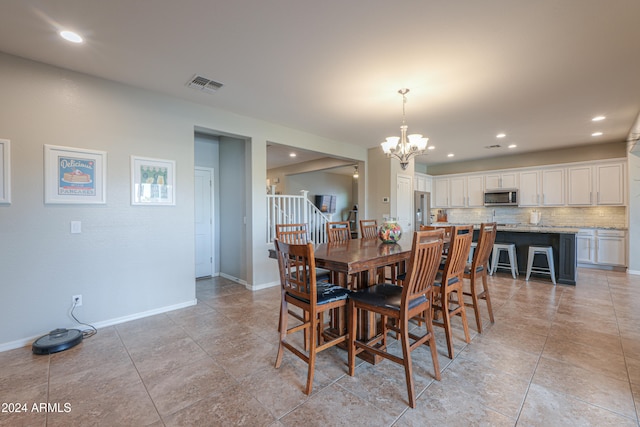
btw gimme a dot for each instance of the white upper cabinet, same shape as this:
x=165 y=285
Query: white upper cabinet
x=501 y=180
x=422 y=182
x=596 y=184
x=610 y=184
x=458 y=192
x=475 y=191
x=553 y=187
x=591 y=183
x=441 y=187
x=580 y=185
x=529 y=193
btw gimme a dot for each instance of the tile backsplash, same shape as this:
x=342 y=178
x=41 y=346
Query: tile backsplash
x=588 y=217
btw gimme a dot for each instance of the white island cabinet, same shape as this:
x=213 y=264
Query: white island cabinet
x=602 y=247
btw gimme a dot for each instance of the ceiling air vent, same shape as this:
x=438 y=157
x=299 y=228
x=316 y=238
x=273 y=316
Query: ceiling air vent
x=489 y=147
x=204 y=84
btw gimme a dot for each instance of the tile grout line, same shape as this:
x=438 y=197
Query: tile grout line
x=624 y=353
x=139 y=375
x=526 y=393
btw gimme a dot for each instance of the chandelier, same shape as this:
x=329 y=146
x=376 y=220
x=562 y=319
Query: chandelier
x=404 y=147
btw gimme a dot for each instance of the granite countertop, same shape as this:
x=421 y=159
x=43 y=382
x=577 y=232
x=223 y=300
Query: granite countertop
x=528 y=228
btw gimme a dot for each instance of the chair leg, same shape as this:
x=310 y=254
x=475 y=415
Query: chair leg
x=487 y=297
x=512 y=262
x=463 y=314
x=312 y=352
x=446 y=321
x=431 y=342
x=283 y=331
x=352 y=320
x=529 y=264
x=474 y=301
x=406 y=361
x=494 y=261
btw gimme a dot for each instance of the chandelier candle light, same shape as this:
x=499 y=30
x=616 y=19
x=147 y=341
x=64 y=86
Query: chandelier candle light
x=405 y=146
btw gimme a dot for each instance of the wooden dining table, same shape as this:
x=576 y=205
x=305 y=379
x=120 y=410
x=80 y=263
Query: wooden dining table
x=362 y=257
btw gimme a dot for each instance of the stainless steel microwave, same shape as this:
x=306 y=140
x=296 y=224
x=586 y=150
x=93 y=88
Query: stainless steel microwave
x=503 y=197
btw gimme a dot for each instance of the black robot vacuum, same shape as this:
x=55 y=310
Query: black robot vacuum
x=57 y=340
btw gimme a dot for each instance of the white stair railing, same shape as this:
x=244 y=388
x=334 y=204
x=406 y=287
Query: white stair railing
x=289 y=209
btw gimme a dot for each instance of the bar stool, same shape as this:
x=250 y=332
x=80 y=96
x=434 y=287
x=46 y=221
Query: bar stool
x=541 y=250
x=513 y=259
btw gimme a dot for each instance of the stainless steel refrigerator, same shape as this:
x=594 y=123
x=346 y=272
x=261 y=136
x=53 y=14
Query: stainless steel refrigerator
x=422 y=208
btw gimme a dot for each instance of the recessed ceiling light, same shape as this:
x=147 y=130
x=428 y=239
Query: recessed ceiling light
x=431 y=147
x=501 y=135
x=598 y=118
x=596 y=134
x=450 y=155
x=513 y=146
x=71 y=36
x=292 y=155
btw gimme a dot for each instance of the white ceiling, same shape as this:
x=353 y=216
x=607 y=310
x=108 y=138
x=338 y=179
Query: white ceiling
x=536 y=70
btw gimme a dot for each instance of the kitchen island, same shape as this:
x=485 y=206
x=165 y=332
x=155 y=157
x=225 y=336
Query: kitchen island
x=561 y=239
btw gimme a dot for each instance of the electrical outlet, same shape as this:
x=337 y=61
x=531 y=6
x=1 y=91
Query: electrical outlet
x=77 y=299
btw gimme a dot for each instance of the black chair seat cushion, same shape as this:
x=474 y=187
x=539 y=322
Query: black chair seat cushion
x=322 y=275
x=384 y=295
x=438 y=281
x=467 y=268
x=403 y=276
x=328 y=293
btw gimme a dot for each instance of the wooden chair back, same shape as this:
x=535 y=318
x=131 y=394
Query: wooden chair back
x=423 y=265
x=297 y=266
x=368 y=228
x=486 y=239
x=459 y=246
x=447 y=229
x=293 y=234
x=338 y=231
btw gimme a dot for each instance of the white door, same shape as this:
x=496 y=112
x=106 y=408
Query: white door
x=404 y=200
x=204 y=221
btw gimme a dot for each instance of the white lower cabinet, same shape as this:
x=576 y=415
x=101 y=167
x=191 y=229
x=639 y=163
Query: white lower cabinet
x=585 y=246
x=602 y=247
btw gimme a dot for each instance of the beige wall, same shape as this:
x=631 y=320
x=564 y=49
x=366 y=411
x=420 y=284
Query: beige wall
x=379 y=185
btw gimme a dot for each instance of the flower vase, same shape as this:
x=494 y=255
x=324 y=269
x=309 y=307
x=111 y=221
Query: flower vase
x=390 y=231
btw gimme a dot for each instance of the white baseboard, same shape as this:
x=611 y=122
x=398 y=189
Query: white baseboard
x=23 y=342
x=235 y=279
x=248 y=286
x=634 y=272
x=264 y=286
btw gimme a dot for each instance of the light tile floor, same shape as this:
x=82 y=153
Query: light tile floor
x=556 y=356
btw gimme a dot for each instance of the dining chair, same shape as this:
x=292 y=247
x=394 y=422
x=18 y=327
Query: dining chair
x=449 y=282
x=447 y=228
x=477 y=270
x=338 y=231
x=296 y=264
x=369 y=228
x=400 y=304
x=293 y=234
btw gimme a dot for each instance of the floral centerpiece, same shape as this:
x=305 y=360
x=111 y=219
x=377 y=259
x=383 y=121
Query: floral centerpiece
x=390 y=231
